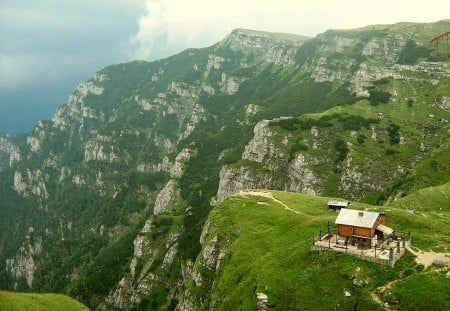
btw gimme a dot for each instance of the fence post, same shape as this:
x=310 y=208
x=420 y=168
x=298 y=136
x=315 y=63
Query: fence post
x=391 y=256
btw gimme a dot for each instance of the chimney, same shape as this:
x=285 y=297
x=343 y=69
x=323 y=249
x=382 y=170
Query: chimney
x=360 y=214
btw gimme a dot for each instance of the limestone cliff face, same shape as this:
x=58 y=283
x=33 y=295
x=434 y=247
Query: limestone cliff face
x=302 y=179
x=271 y=167
x=9 y=152
x=209 y=262
x=23 y=264
x=279 y=49
x=235 y=179
x=149 y=268
x=31 y=183
x=261 y=145
x=371 y=58
x=77 y=109
x=166 y=196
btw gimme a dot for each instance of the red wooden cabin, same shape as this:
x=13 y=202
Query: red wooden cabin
x=361 y=224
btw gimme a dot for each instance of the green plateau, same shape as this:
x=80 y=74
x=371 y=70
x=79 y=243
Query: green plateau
x=266 y=240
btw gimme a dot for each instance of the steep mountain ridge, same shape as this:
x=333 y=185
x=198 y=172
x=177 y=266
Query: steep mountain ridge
x=133 y=162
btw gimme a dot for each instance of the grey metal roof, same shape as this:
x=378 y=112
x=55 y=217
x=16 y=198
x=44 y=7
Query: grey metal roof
x=338 y=203
x=352 y=217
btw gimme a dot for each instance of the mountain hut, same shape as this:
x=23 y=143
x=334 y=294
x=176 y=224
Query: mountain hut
x=362 y=227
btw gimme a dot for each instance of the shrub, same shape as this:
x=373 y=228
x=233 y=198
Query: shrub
x=377 y=97
x=390 y=151
x=420 y=267
x=341 y=149
x=412 y=52
x=394 y=135
x=361 y=139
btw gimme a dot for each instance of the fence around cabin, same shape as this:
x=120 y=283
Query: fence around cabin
x=396 y=249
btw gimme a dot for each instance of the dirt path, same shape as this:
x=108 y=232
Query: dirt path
x=377 y=299
x=383 y=289
x=268 y=195
x=428 y=258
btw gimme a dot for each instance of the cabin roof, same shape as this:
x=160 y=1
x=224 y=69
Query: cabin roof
x=356 y=218
x=338 y=203
x=385 y=229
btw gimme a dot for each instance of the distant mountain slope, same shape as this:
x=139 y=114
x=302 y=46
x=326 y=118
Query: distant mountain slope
x=254 y=244
x=10 y=301
x=107 y=201
x=370 y=149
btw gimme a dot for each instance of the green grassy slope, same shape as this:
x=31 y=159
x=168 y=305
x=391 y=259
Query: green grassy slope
x=10 y=301
x=268 y=250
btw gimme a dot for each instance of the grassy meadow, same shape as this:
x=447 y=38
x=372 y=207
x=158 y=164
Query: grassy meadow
x=268 y=250
x=11 y=301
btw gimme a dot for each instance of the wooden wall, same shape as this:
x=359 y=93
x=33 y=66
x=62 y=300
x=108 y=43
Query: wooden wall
x=348 y=231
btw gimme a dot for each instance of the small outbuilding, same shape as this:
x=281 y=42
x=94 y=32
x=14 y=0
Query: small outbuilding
x=336 y=205
x=362 y=227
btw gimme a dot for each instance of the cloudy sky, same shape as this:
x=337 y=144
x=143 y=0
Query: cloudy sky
x=47 y=47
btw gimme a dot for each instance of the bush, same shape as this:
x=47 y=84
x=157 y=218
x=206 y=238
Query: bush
x=412 y=52
x=394 y=135
x=298 y=146
x=377 y=97
x=361 y=139
x=420 y=267
x=390 y=152
x=341 y=150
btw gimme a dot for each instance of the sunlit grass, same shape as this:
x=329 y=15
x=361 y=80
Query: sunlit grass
x=11 y=301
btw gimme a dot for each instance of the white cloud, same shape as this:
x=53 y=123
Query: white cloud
x=169 y=26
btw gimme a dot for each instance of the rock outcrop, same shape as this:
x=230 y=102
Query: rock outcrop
x=9 y=152
x=23 y=265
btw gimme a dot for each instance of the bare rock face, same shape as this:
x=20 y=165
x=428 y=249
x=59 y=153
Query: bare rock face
x=260 y=146
x=214 y=250
x=168 y=194
x=198 y=114
x=76 y=108
x=22 y=265
x=144 y=278
x=31 y=183
x=302 y=179
x=274 y=48
x=235 y=179
x=36 y=137
x=9 y=151
x=230 y=84
x=121 y=296
x=97 y=148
